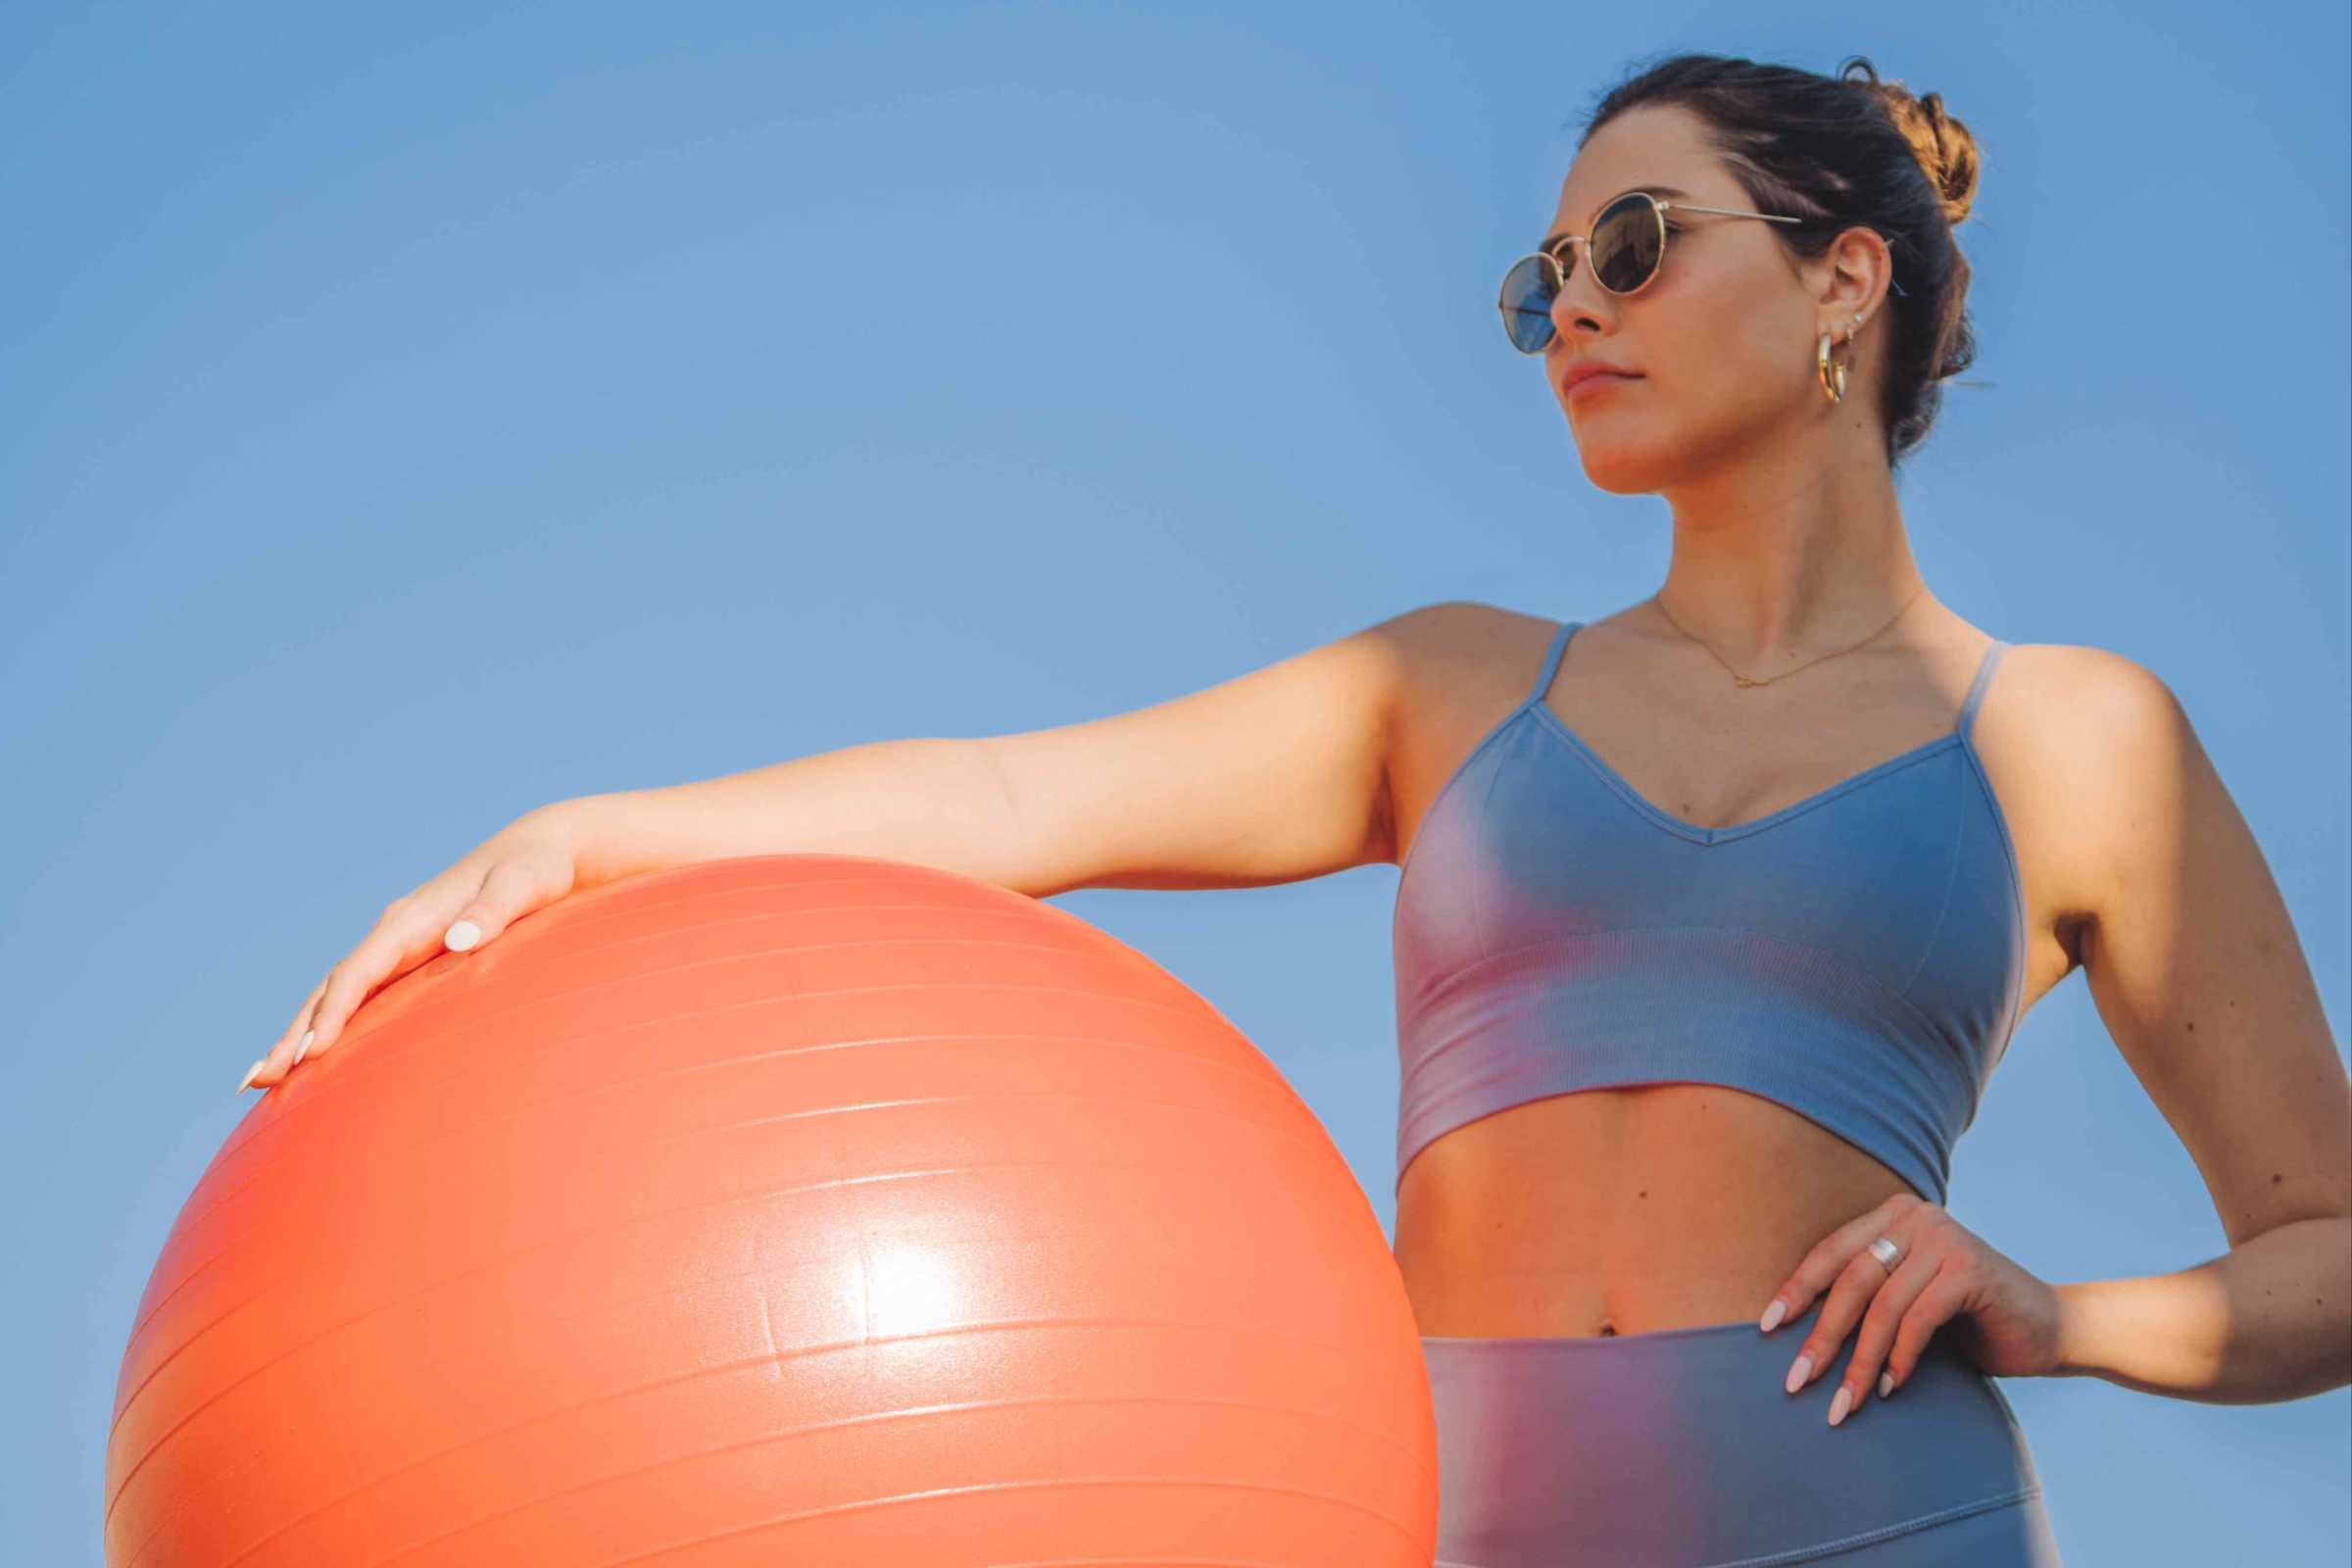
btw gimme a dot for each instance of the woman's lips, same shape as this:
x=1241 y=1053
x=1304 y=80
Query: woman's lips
x=1591 y=383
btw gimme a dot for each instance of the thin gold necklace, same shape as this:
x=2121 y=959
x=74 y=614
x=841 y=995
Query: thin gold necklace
x=1748 y=680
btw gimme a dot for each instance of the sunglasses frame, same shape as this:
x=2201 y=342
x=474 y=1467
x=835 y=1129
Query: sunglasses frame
x=1658 y=208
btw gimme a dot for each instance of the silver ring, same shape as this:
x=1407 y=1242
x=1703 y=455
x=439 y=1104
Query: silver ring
x=1886 y=1252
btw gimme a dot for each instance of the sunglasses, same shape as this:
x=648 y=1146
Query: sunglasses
x=1625 y=250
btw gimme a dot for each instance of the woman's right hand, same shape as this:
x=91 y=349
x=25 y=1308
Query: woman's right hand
x=526 y=866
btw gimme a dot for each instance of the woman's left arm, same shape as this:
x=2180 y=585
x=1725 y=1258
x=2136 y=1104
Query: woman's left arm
x=2199 y=974
x=2195 y=968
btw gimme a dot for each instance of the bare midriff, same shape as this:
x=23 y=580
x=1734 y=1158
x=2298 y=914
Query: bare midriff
x=1622 y=1210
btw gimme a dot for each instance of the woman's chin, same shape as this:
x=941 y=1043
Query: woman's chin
x=1616 y=465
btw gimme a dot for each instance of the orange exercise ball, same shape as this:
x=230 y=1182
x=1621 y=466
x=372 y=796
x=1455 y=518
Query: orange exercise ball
x=793 y=1209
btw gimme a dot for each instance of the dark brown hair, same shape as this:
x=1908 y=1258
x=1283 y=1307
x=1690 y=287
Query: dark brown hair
x=1838 y=152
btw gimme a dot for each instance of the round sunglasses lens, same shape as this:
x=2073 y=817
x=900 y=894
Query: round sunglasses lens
x=1626 y=244
x=1526 y=303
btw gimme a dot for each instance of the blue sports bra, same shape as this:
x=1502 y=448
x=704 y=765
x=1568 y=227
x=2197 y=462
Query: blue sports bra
x=1858 y=956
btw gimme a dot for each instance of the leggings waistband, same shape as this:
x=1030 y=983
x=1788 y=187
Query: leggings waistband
x=1681 y=1446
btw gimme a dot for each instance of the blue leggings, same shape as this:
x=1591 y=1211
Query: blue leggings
x=1680 y=1448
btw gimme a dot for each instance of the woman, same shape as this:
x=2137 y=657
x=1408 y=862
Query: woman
x=1713 y=914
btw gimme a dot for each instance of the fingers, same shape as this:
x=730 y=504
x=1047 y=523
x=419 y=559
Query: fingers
x=1882 y=1304
x=1883 y=1316
x=404 y=936
x=280 y=1058
x=512 y=889
x=525 y=865
x=1938 y=1304
x=1848 y=1296
x=1828 y=1260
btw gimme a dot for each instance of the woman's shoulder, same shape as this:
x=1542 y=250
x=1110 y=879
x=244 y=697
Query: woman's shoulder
x=2078 y=743
x=1458 y=644
x=2080 y=697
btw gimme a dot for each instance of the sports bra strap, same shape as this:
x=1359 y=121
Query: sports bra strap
x=1551 y=659
x=1976 y=690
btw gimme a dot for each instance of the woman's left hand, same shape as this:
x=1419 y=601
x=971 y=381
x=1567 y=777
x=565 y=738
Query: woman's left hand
x=2003 y=1318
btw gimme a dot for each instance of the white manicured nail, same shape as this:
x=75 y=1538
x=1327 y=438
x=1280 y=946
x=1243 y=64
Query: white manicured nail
x=464 y=934
x=1845 y=1396
x=1772 y=1314
x=1885 y=1384
x=304 y=1048
x=247 y=1082
x=1798 y=1372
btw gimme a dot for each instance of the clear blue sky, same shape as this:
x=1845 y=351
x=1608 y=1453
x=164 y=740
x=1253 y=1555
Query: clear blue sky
x=416 y=413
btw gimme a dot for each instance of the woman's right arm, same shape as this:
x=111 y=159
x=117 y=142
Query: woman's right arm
x=1276 y=775
x=937 y=802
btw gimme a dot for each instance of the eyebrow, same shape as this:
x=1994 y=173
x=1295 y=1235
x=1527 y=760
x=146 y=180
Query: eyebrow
x=1667 y=191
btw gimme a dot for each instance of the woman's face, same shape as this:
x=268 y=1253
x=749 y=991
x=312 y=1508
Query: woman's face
x=1722 y=340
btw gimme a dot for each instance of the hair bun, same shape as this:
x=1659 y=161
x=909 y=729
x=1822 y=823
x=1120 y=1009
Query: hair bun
x=1943 y=146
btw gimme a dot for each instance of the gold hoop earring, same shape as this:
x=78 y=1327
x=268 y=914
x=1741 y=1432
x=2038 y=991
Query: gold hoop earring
x=1832 y=377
